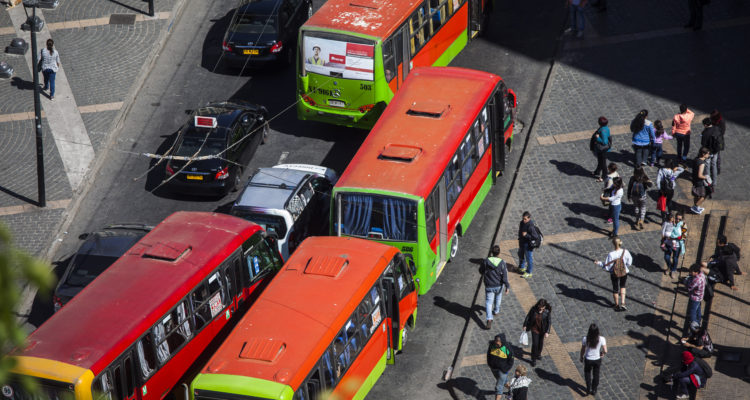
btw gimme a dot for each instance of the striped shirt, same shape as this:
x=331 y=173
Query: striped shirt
x=696 y=287
x=50 y=61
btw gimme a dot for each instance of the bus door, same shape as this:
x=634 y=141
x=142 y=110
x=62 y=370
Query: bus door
x=404 y=286
x=475 y=17
x=391 y=311
x=442 y=225
x=498 y=138
x=232 y=273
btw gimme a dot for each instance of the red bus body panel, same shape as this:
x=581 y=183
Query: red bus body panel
x=376 y=18
x=439 y=43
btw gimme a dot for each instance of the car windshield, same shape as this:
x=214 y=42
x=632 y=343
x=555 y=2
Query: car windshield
x=252 y=23
x=97 y=255
x=378 y=217
x=268 y=222
x=193 y=142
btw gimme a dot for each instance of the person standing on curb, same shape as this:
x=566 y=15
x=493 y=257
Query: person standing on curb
x=615 y=204
x=637 y=194
x=602 y=147
x=593 y=348
x=672 y=241
x=538 y=321
x=666 y=183
x=618 y=264
x=518 y=387
x=711 y=139
x=500 y=361
x=701 y=180
x=657 y=152
x=495 y=278
x=696 y=286
x=526 y=233
x=50 y=61
x=576 y=18
x=718 y=121
x=643 y=136
x=681 y=131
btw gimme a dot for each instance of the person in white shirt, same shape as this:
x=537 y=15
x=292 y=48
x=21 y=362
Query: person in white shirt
x=50 y=61
x=615 y=204
x=618 y=283
x=593 y=348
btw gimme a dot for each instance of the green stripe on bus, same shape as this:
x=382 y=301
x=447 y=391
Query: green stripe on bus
x=452 y=51
x=371 y=379
x=241 y=385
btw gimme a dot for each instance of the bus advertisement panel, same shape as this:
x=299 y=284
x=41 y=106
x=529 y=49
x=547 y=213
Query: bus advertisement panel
x=338 y=59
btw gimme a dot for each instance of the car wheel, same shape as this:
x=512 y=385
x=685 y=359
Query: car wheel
x=454 y=245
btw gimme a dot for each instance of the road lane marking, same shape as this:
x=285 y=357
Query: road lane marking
x=283 y=157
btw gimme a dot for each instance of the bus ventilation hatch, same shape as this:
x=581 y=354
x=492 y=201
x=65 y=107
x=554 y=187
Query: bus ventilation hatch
x=428 y=109
x=266 y=350
x=399 y=152
x=167 y=251
x=371 y=4
x=330 y=266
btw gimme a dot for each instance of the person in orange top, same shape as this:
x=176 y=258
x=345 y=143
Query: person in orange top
x=681 y=131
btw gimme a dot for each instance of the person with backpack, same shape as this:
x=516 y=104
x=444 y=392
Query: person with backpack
x=600 y=146
x=618 y=264
x=690 y=378
x=539 y=321
x=637 y=187
x=615 y=204
x=699 y=343
x=666 y=182
x=500 y=361
x=527 y=238
x=643 y=135
x=711 y=139
x=495 y=274
x=701 y=180
x=593 y=348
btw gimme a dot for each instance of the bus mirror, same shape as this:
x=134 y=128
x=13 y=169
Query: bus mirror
x=512 y=96
x=271 y=233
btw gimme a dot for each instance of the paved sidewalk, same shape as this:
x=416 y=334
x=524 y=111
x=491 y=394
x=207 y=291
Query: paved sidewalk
x=624 y=65
x=104 y=60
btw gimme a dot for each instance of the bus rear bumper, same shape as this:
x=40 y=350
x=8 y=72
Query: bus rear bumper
x=351 y=119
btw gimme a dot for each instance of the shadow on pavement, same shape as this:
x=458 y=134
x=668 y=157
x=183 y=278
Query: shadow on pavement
x=18 y=196
x=570 y=168
x=467 y=386
x=584 y=295
x=21 y=84
x=560 y=381
x=460 y=310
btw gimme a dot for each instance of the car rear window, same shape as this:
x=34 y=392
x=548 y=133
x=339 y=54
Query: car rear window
x=199 y=141
x=252 y=23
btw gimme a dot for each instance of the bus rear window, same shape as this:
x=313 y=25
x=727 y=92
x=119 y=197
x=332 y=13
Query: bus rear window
x=378 y=217
x=338 y=56
x=49 y=390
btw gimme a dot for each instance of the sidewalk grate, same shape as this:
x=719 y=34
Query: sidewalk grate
x=122 y=19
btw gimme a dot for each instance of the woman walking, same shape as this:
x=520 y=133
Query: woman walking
x=660 y=135
x=666 y=182
x=615 y=204
x=617 y=259
x=671 y=241
x=50 y=64
x=602 y=146
x=593 y=348
x=643 y=136
x=681 y=131
x=637 y=190
x=538 y=321
x=518 y=387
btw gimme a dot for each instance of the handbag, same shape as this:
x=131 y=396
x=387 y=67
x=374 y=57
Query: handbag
x=661 y=203
x=524 y=339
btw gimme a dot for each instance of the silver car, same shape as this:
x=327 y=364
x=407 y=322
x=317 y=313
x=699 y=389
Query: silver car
x=289 y=200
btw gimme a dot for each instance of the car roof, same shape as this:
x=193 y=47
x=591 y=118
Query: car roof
x=262 y=7
x=271 y=188
x=110 y=242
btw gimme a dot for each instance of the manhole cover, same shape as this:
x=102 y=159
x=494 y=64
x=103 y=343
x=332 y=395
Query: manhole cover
x=122 y=19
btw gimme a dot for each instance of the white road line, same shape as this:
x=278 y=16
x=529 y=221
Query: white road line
x=283 y=157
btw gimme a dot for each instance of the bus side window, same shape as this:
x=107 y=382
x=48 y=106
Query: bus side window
x=103 y=386
x=311 y=388
x=430 y=212
x=129 y=376
x=261 y=259
x=468 y=154
x=199 y=303
x=453 y=179
x=389 y=61
x=328 y=367
x=146 y=356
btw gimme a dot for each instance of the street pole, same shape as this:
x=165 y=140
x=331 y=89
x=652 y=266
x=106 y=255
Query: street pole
x=150 y=8
x=37 y=109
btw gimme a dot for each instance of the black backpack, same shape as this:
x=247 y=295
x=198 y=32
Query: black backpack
x=592 y=141
x=536 y=238
x=705 y=367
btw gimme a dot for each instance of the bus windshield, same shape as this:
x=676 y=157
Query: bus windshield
x=339 y=56
x=378 y=217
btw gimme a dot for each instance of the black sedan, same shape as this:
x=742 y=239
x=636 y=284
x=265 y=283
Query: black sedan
x=212 y=149
x=265 y=31
x=99 y=250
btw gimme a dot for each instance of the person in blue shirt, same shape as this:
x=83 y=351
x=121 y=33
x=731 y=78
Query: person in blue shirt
x=603 y=145
x=643 y=135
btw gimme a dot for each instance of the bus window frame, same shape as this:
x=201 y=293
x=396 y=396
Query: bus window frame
x=249 y=246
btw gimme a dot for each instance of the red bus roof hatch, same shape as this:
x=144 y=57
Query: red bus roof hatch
x=326 y=265
x=400 y=152
x=167 y=251
x=428 y=108
x=266 y=350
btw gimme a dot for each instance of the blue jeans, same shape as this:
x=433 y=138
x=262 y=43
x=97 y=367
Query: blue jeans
x=615 y=218
x=525 y=255
x=577 y=22
x=656 y=153
x=502 y=377
x=493 y=300
x=672 y=257
x=693 y=312
x=49 y=81
x=641 y=154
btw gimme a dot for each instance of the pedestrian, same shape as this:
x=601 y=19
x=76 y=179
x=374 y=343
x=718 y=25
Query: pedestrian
x=696 y=14
x=725 y=261
x=495 y=278
x=593 y=348
x=637 y=194
x=681 y=131
x=615 y=204
x=643 y=136
x=601 y=148
x=666 y=183
x=538 y=321
x=699 y=344
x=701 y=180
x=660 y=135
x=50 y=60
x=696 y=286
x=576 y=17
x=518 y=387
x=526 y=234
x=618 y=264
x=672 y=242
x=500 y=361
x=711 y=139
x=609 y=182
x=691 y=376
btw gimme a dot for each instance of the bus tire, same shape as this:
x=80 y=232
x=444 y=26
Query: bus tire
x=454 y=245
x=404 y=336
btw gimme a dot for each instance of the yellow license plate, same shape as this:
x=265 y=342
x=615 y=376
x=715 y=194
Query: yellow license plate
x=252 y=52
x=194 y=177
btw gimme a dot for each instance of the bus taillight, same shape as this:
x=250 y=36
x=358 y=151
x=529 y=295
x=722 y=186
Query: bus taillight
x=365 y=108
x=308 y=100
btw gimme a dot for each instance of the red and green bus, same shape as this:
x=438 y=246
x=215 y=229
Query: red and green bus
x=353 y=55
x=136 y=331
x=421 y=174
x=326 y=327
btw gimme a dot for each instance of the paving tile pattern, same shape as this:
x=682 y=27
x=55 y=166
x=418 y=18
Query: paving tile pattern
x=5 y=21
x=621 y=367
x=98 y=126
x=31 y=231
x=18 y=88
x=71 y=10
x=102 y=62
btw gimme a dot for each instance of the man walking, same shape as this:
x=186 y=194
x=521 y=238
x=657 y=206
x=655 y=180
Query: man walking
x=500 y=361
x=526 y=235
x=495 y=278
x=681 y=131
x=711 y=139
x=696 y=286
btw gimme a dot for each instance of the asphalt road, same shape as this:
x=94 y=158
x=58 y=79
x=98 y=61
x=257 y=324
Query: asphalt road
x=185 y=76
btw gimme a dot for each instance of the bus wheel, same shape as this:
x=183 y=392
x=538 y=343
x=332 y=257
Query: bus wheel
x=404 y=335
x=454 y=245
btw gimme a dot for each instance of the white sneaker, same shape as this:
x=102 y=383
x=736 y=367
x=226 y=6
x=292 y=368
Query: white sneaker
x=696 y=210
x=701 y=209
